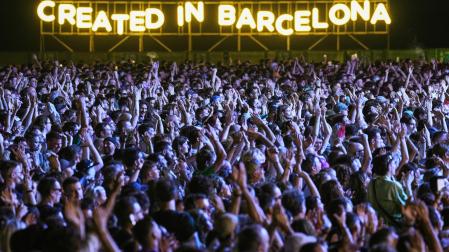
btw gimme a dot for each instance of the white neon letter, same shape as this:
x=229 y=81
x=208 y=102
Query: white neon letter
x=333 y=14
x=279 y=22
x=265 y=19
x=226 y=15
x=357 y=9
x=66 y=12
x=316 y=20
x=380 y=13
x=120 y=18
x=302 y=21
x=84 y=17
x=198 y=13
x=160 y=18
x=180 y=11
x=246 y=18
x=102 y=21
x=41 y=11
x=137 y=21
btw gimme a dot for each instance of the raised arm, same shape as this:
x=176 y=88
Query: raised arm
x=221 y=153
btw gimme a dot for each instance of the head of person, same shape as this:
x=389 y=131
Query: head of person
x=34 y=139
x=54 y=141
x=166 y=190
x=128 y=211
x=109 y=146
x=205 y=158
x=165 y=149
x=331 y=190
x=253 y=238
x=73 y=190
x=98 y=195
x=148 y=234
x=181 y=145
x=386 y=235
x=253 y=160
x=150 y=171
x=375 y=138
x=133 y=159
x=103 y=130
x=311 y=164
x=43 y=123
x=294 y=202
x=11 y=172
x=50 y=190
x=383 y=165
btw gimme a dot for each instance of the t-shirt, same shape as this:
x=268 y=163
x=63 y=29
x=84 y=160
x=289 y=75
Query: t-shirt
x=387 y=198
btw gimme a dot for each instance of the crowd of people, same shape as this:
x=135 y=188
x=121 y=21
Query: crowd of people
x=281 y=155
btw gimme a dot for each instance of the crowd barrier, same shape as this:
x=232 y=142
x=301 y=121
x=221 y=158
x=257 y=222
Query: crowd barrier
x=441 y=54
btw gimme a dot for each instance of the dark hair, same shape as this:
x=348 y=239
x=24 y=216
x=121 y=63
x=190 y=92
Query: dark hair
x=124 y=208
x=204 y=158
x=380 y=164
x=69 y=181
x=358 y=188
x=189 y=201
x=329 y=191
x=161 y=146
x=143 y=228
x=304 y=226
x=143 y=128
x=7 y=166
x=53 y=135
x=249 y=238
x=69 y=153
x=201 y=184
x=46 y=185
x=178 y=142
x=165 y=190
x=293 y=201
x=130 y=156
x=307 y=164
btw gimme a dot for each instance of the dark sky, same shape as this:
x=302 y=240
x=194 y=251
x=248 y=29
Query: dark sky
x=416 y=23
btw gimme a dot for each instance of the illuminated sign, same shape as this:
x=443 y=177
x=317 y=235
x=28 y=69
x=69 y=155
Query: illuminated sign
x=213 y=17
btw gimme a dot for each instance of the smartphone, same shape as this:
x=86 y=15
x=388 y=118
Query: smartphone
x=438 y=183
x=441 y=183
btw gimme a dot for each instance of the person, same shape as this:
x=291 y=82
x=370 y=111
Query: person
x=279 y=155
x=386 y=194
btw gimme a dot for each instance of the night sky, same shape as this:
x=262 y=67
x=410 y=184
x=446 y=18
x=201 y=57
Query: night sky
x=416 y=23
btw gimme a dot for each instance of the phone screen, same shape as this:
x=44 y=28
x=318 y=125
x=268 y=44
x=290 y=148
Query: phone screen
x=440 y=184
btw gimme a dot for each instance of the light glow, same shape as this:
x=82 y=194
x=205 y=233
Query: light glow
x=149 y=21
x=357 y=9
x=279 y=24
x=102 y=21
x=198 y=13
x=380 y=13
x=84 y=17
x=246 y=18
x=67 y=12
x=339 y=8
x=41 y=11
x=302 y=21
x=263 y=21
x=120 y=18
x=226 y=15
